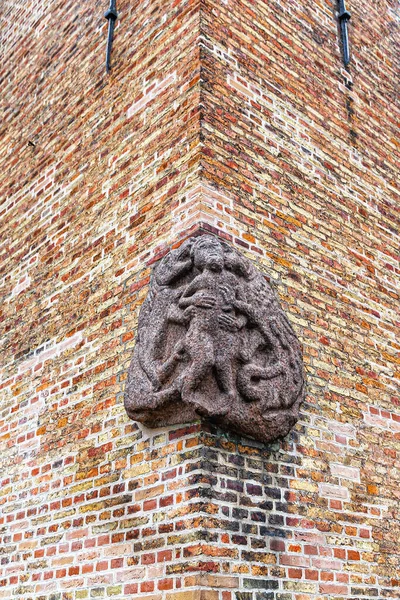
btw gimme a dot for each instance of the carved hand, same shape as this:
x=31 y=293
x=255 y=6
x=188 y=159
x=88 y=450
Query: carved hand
x=205 y=301
x=228 y=322
x=228 y=295
x=190 y=312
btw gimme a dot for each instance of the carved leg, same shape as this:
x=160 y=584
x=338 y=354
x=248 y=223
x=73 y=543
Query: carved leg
x=198 y=370
x=167 y=368
x=227 y=383
x=252 y=384
x=201 y=352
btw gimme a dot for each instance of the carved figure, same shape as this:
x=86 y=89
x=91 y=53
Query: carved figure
x=213 y=342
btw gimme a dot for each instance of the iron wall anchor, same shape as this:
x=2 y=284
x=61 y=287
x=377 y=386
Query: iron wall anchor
x=111 y=15
x=344 y=17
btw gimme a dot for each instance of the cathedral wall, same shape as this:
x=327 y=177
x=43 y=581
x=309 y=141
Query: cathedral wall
x=303 y=155
x=236 y=118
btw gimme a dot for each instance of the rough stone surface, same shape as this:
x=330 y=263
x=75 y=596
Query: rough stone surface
x=214 y=342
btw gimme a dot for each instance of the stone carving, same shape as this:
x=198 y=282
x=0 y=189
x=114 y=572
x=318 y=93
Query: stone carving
x=213 y=342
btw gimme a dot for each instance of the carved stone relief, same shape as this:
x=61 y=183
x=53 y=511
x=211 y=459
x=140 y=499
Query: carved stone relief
x=213 y=342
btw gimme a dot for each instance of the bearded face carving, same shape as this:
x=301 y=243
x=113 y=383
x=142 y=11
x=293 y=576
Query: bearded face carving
x=213 y=342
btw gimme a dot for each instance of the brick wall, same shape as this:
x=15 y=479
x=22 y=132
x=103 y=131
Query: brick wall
x=236 y=117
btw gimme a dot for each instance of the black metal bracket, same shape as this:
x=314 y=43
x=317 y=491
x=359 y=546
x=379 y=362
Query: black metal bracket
x=111 y=15
x=344 y=17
